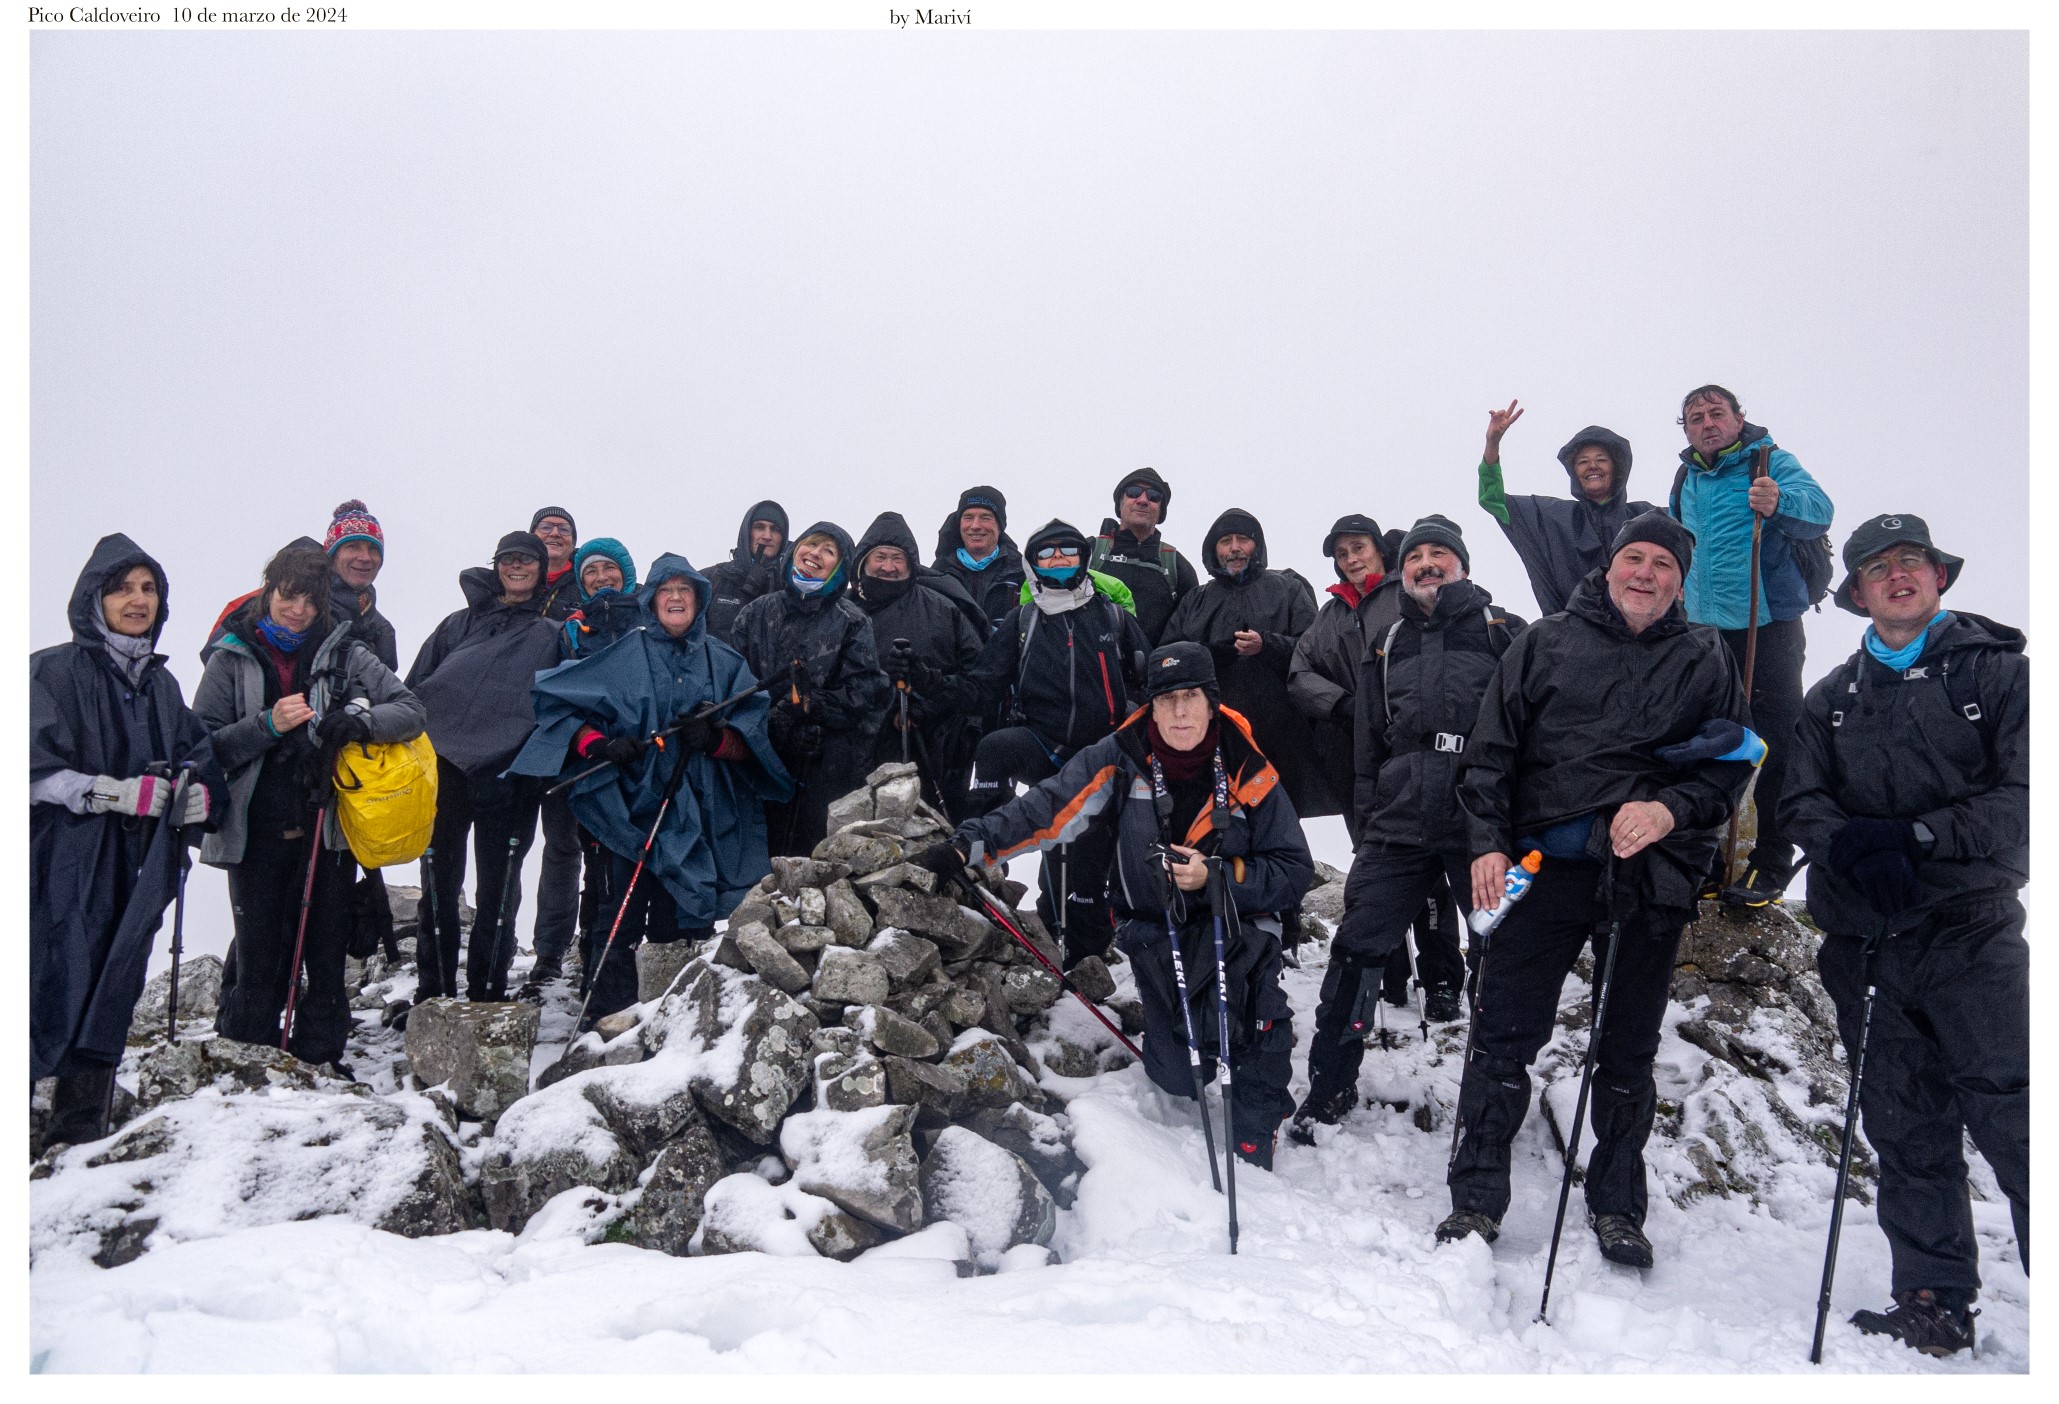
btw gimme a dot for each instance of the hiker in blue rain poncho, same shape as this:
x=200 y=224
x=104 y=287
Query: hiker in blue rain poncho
x=605 y=707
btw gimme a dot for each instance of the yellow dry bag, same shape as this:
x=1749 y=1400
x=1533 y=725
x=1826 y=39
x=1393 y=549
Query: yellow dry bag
x=386 y=799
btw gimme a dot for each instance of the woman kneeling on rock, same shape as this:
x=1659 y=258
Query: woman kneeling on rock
x=606 y=707
x=1184 y=789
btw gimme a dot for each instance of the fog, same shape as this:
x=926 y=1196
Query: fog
x=652 y=277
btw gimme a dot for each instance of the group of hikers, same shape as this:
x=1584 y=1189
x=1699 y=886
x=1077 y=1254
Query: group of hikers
x=670 y=730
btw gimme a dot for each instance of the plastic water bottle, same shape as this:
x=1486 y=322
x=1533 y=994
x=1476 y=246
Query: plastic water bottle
x=1514 y=888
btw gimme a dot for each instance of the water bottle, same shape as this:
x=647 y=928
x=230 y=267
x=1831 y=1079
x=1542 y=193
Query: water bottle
x=1514 y=888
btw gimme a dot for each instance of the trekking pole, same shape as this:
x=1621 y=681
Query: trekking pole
x=927 y=767
x=307 y=893
x=709 y=710
x=171 y=1018
x=1064 y=895
x=1218 y=900
x=994 y=911
x=504 y=928
x=1179 y=975
x=1844 y=1161
x=664 y=805
x=1751 y=651
x=1601 y=1011
x=428 y=938
x=793 y=813
x=1415 y=972
x=901 y=700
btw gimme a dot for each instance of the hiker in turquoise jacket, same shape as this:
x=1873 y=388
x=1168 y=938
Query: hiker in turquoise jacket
x=1716 y=500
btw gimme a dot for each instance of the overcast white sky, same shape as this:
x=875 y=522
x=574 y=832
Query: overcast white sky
x=655 y=276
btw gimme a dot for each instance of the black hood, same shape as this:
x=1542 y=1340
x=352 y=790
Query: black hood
x=1590 y=601
x=766 y=511
x=1053 y=531
x=840 y=578
x=949 y=541
x=113 y=557
x=1237 y=520
x=482 y=588
x=889 y=529
x=1359 y=524
x=1975 y=631
x=1145 y=475
x=1619 y=453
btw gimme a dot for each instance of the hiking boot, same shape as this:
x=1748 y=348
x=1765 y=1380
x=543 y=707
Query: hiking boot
x=1622 y=1241
x=530 y=993
x=1919 y=1320
x=1712 y=886
x=1759 y=889
x=1440 y=1006
x=545 y=970
x=1259 y=1152
x=1327 y=1109
x=1460 y=1222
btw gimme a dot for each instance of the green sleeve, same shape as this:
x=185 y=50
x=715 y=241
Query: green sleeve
x=1491 y=496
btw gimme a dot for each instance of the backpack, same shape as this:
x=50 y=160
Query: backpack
x=1497 y=627
x=1812 y=557
x=1168 y=559
x=386 y=799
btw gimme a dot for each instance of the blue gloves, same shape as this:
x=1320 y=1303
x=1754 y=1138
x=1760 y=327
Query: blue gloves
x=1879 y=858
x=1716 y=741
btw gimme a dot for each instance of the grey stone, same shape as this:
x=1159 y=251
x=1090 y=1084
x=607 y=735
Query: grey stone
x=800 y=939
x=522 y=1174
x=826 y=1011
x=896 y=799
x=812 y=906
x=891 y=1033
x=1011 y=892
x=862 y=853
x=846 y=913
x=644 y=1106
x=172 y=1070
x=1129 y=1013
x=840 y=1236
x=862 y=1162
x=200 y=995
x=724 y=951
x=657 y=963
x=590 y=1050
x=673 y=1191
x=962 y=1007
x=1068 y=1059
x=845 y=1083
x=437 y=1201
x=1325 y=897
x=784 y=912
x=613 y=1026
x=987 y=1191
x=899 y=875
x=1043 y=1142
x=887 y=771
x=959 y=933
x=771 y=960
x=835 y=1038
x=796 y=875
x=909 y=959
x=772 y=1070
x=1091 y=978
x=992 y=1078
x=481 y=1050
x=930 y=1085
x=1030 y=989
x=743 y=1214
x=851 y=977
x=852 y=808
x=755 y=907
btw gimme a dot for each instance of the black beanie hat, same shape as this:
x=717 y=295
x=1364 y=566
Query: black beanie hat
x=1358 y=524
x=522 y=543
x=1441 y=530
x=543 y=512
x=1179 y=665
x=987 y=497
x=1660 y=530
x=1149 y=476
x=1875 y=536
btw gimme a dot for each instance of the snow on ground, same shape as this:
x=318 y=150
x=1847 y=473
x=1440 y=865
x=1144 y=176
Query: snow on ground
x=1335 y=1271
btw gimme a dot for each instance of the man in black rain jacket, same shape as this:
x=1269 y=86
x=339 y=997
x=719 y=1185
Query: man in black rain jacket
x=1131 y=549
x=974 y=548
x=908 y=603
x=816 y=648
x=1111 y=787
x=1065 y=665
x=105 y=840
x=1250 y=618
x=1419 y=694
x=1561 y=539
x=1910 y=794
x=1564 y=759
x=752 y=569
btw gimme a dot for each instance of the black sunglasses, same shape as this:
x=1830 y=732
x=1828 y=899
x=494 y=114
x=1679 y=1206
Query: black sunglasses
x=1144 y=490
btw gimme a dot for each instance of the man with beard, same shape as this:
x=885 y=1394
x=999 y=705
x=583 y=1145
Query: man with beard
x=357 y=549
x=925 y=638
x=1419 y=694
x=752 y=568
x=1131 y=549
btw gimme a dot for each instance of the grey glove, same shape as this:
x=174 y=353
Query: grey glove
x=189 y=803
x=144 y=796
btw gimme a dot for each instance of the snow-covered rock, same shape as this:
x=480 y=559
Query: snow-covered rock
x=168 y=1071
x=992 y=1076
x=862 y=1161
x=658 y=963
x=989 y=1192
x=744 y=1214
x=958 y=932
x=480 y=1051
x=545 y=1144
x=668 y=1213
x=889 y=1032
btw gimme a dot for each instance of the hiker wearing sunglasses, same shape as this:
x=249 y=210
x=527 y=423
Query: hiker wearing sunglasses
x=1131 y=549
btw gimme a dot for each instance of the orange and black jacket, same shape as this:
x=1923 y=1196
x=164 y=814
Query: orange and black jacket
x=1109 y=783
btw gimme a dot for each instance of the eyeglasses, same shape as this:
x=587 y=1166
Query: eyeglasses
x=1052 y=553
x=1911 y=561
x=1144 y=490
x=550 y=526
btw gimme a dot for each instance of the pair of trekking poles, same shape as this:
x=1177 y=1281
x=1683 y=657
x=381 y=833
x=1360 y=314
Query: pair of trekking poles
x=1224 y=1180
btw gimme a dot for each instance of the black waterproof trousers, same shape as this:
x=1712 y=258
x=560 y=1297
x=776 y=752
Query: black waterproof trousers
x=494 y=810
x=1776 y=707
x=1521 y=972
x=557 y=885
x=264 y=894
x=651 y=915
x=1016 y=754
x=1948 y=1056
x=1382 y=896
x=1261 y=1024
